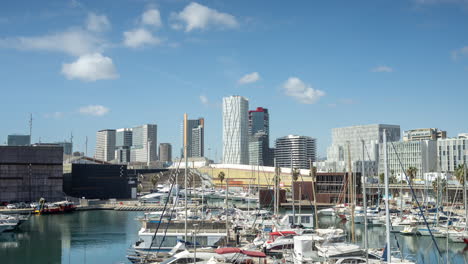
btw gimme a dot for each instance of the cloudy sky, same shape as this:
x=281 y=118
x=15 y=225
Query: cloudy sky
x=81 y=66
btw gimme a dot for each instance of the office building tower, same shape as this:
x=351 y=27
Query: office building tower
x=259 y=152
x=420 y=154
x=165 y=152
x=259 y=121
x=144 y=142
x=235 y=130
x=301 y=150
x=19 y=140
x=424 y=134
x=452 y=152
x=123 y=143
x=105 y=145
x=193 y=132
x=372 y=135
x=259 y=137
x=67 y=147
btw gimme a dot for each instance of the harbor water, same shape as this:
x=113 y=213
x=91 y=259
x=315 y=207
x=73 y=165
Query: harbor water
x=105 y=236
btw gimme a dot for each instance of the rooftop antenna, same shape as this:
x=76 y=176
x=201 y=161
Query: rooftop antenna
x=30 y=128
x=86 y=146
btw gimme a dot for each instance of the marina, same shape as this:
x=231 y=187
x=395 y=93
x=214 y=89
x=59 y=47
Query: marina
x=105 y=236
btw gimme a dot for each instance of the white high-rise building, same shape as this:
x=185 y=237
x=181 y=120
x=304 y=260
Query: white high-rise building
x=235 y=130
x=372 y=135
x=452 y=152
x=301 y=150
x=105 y=145
x=420 y=154
x=144 y=142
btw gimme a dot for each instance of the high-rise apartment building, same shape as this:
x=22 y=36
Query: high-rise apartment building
x=105 y=145
x=144 y=142
x=235 y=130
x=19 y=140
x=123 y=143
x=165 y=152
x=301 y=150
x=193 y=131
x=424 y=134
x=452 y=152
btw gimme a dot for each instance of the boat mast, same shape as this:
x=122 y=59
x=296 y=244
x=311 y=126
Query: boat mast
x=275 y=188
x=185 y=173
x=313 y=174
x=364 y=201
x=464 y=197
x=292 y=185
x=227 y=212
x=351 y=193
x=387 y=210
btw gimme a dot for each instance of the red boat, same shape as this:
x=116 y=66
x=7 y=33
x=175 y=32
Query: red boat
x=465 y=240
x=55 y=208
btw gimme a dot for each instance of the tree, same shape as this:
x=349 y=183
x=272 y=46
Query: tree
x=154 y=180
x=460 y=174
x=295 y=174
x=221 y=176
x=382 y=177
x=411 y=173
x=442 y=183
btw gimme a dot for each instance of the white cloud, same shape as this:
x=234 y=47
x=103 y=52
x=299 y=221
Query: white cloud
x=74 y=42
x=456 y=54
x=431 y=2
x=140 y=37
x=151 y=17
x=382 y=68
x=90 y=67
x=55 y=115
x=94 y=110
x=204 y=100
x=97 y=23
x=249 y=78
x=301 y=91
x=196 y=16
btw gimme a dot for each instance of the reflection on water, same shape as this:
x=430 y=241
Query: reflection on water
x=80 y=237
x=419 y=248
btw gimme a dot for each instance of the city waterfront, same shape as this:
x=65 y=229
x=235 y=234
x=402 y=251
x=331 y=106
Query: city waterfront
x=104 y=236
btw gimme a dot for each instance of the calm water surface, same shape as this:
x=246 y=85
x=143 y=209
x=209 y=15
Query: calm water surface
x=79 y=237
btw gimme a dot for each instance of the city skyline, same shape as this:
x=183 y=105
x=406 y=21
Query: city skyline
x=313 y=85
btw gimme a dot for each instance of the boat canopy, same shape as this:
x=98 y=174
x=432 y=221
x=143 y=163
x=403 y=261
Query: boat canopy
x=282 y=233
x=229 y=250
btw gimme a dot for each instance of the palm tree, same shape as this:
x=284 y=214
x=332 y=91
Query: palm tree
x=221 y=176
x=154 y=180
x=459 y=173
x=411 y=173
x=382 y=177
x=295 y=174
x=443 y=186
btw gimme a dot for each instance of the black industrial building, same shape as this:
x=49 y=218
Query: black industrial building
x=28 y=173
x=99 y=181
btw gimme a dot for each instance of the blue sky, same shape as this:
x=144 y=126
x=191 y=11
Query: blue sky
x=81 y=66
